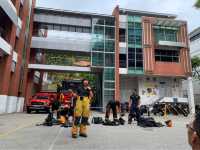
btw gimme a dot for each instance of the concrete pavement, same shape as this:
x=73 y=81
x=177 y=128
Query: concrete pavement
x=19 y=132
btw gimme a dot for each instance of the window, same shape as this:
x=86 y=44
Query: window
x=56 y=27
x=135 y=58
x=122 y=60
x=167 y=55
x=134 y=33
x=86 y=30
x=122 y=35
x=72 y=29
x=79 y=29
x=109 y=45
x=110 y=32
x=165 y=33
x=98 y=46
x=109 y=74
x=109 y=59
x=64 y=28
x=110 y=22
x=98 y=59
x=109 y=85
x=98 y=21
x=99 y=30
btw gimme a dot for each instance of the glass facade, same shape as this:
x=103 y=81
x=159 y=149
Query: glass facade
x=167 y=55
x=164 y=33
x=103 y=53
x=135 y=52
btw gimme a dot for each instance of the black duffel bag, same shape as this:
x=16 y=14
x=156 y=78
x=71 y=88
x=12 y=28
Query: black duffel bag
x=149 y=122
x=97 y=120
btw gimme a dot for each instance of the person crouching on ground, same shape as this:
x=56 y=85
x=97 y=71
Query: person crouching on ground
x=115 y=107
x=55 y=107
x=194 y=133
x=84 y=95
x=134 y=104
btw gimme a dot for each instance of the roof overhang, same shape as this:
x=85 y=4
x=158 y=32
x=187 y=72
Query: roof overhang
x=147 y=13
x=168 y=22
x=70 y=12
x=172 y=44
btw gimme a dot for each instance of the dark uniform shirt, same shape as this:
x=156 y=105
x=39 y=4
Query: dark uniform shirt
x=81 y=91
x=134 y=101
x=111 y=104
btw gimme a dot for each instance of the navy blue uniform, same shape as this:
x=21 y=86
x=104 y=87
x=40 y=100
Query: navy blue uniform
x=134 y=109
x=111 y=106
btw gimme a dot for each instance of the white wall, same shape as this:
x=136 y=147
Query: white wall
x=160 y=87
x=195 y=48
x=11 y=104
x=127 y=86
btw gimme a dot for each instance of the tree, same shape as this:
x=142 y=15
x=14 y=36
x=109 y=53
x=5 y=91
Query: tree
x=196 y=67
x=197 y=4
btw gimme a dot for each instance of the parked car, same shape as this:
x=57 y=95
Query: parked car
x=41 y=102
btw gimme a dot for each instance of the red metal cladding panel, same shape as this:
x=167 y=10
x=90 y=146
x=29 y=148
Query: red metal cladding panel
x=185 y=54
x=148 y=46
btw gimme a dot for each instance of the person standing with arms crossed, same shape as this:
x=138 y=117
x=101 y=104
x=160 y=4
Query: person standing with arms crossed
x=84 y=95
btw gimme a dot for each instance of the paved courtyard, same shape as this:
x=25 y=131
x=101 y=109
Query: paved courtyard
x=19 y=132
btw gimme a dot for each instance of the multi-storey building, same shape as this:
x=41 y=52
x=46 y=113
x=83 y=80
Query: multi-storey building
x=195 y=52
x=126 y=51
x=15 y=16
x=153 y=54
x=194 y=42
x=130 y=50
x=68 y=41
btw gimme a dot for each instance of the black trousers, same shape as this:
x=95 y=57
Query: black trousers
x=134 y=113
x=114 y=111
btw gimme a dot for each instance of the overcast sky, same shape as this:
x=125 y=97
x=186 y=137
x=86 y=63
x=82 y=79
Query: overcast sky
x=184 y=9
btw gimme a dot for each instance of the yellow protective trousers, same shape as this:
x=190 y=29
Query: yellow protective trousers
x=81 y=115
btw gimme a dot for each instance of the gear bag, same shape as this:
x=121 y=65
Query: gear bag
x=97 y=120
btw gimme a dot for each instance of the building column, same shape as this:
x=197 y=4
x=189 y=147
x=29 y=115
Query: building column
x=117 y=75
x=29 y=86
x=190 y=95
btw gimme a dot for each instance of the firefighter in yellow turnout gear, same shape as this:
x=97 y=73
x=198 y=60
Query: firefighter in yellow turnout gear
x=82 y=109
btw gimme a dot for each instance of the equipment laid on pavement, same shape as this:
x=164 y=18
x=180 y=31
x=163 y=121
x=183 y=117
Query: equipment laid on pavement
x=171 y=108
x=49 y=120
x=111 y=123
x=169 y=123
x=97 y=120
x=149 y=122
x=121 y=121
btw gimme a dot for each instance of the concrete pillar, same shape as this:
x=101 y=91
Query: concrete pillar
x=29 y=86
x=190 y=95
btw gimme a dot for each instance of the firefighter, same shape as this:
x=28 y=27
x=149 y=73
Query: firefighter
x=115 y=107
x=134 y=105
x=84 y=95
